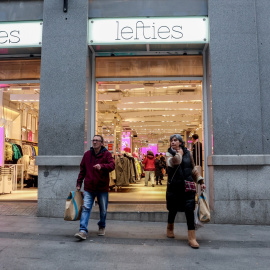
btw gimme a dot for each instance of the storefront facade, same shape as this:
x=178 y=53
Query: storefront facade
x=234 y=82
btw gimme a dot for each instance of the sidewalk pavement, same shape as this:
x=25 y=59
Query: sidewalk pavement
x=29 y=242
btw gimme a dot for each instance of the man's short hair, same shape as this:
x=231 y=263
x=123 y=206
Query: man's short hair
x=195 y=136
x=101 y=138
x=156 y=155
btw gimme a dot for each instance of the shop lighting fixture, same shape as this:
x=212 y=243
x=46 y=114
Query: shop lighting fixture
x=16 y=89
x=24 y=97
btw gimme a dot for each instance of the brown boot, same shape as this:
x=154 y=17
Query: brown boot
x=192 y=239
x=170 y=228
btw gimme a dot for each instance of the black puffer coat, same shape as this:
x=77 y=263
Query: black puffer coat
x=176 y=197
x=158 y=168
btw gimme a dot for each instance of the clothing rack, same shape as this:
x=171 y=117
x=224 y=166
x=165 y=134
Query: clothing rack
x=28 y=142
x=9 y=140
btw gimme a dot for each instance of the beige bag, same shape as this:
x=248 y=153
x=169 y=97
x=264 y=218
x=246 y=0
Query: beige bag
x=74 y=205
x=203 y=208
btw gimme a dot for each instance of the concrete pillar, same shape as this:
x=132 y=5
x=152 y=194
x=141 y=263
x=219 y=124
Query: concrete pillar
x=240 y=165
x=64 y=64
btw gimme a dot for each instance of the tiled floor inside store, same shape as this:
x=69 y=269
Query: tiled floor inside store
x=26 y=194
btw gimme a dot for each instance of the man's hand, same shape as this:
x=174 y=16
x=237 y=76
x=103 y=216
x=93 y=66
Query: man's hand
x=97 y=166
x=203 y=187
x=78 y=188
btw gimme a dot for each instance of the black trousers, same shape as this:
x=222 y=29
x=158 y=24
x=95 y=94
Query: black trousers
x=189 y=216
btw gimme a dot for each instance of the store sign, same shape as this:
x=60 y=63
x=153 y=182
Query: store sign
x=20 y=34
x=125 y=141
x=148 y=31
x=110 y=147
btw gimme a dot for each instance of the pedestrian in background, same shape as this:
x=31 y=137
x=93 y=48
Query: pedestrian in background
x=149 y=168
x=181 y=167
x=197 y=150
x=163 y=167
x=94 y=171
x=158 y=170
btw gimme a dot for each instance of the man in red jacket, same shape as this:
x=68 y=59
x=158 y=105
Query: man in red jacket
x=94 y=170
x=149 y=167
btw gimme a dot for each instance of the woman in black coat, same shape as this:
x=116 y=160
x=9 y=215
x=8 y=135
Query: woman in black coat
x=158 y=170
x=181 y=167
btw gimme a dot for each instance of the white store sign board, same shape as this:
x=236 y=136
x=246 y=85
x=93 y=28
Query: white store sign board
x=154 y=30
x=21 y=34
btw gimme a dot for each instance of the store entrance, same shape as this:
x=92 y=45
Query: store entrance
x=136 y=116
x=19 y=141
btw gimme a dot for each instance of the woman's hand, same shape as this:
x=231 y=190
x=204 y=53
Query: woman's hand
x=180 y=151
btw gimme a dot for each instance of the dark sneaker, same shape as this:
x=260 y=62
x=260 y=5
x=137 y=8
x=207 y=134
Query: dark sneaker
x=80 y=235
x=101 y=231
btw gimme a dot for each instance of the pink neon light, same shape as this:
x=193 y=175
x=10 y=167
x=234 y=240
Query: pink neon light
x=125 y=140
x=2 y=146
x=151 y=147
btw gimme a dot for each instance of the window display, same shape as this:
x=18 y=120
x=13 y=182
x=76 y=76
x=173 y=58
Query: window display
x=20 y=135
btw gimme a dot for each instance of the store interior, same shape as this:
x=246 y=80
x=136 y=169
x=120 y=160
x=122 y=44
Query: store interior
x=19 y=116
x=137 y=116
x=132 y=116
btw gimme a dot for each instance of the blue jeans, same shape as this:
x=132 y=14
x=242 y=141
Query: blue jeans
x=89 y=198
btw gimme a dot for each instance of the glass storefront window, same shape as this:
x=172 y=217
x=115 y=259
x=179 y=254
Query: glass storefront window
x=19 y=143
x=137 y=116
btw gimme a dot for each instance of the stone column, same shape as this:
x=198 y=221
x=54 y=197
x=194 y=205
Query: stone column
x=63 y=83
x=241 y=160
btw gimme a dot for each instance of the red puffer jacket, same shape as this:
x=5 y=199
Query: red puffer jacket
x=149 y=162
x=96 y=180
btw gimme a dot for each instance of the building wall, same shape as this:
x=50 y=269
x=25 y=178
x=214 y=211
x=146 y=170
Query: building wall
x=239 y=32
x=63 y=86
x=237 y=90
x=141 y=8
x=22 y=10
x=64 y=81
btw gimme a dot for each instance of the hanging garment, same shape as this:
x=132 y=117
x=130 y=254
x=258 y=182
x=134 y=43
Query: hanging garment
x=33 y=150
x=20 y=148
x=132 y=172
x=32 y=168
x=16 y=152
x=8 y=151
x=27 y=150
x=36 y=149
x=122 y=171
x=25 y=161
x=137 y=165
x=112 y=176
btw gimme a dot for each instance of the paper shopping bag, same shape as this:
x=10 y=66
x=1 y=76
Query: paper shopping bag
x=203 y=208
x=197 y=222
x=74 y=205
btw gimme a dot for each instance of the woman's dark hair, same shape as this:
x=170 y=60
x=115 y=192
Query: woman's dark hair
x=179 y=138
